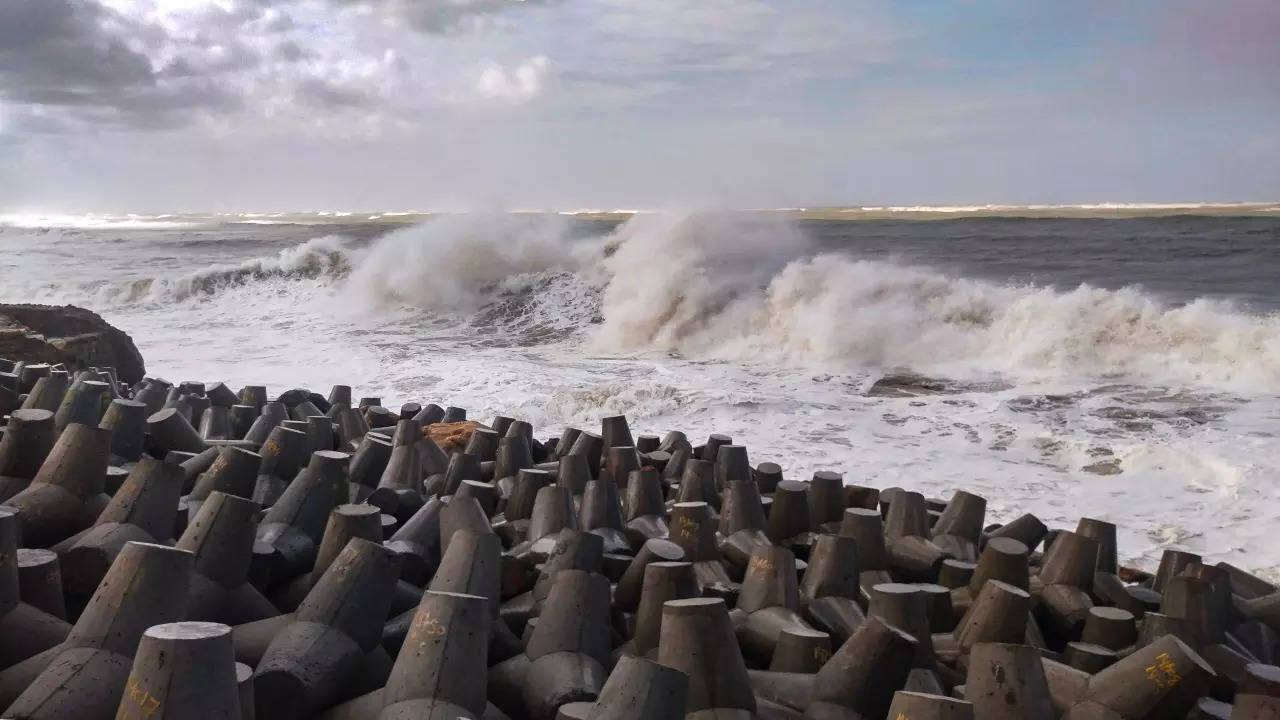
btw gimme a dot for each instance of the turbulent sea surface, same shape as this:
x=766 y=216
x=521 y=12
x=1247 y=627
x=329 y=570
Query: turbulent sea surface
x=1108 y=361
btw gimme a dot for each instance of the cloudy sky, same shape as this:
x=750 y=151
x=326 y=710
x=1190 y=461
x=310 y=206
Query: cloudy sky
x=195 y=105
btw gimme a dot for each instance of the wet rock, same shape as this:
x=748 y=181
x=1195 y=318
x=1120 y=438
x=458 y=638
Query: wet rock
x=909 y=385
x=1104 y=467
x=70 y=335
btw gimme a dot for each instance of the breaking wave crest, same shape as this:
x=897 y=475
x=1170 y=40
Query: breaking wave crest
x=328 y=256
x=756 y=292
x=752 y=288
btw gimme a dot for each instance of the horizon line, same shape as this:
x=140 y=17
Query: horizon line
x=30 y=219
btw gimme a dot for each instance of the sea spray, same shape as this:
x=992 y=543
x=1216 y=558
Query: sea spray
x=458 y=262
x=750 y=291
x=750 y=288
x=819 y=324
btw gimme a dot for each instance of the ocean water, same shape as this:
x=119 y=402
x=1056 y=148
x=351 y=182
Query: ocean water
x=1114 y=362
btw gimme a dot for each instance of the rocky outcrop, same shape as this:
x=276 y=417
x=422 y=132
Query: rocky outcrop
x=909 y=385
x=67 y=334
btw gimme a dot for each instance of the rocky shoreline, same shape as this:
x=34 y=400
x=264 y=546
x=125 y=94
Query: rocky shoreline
x=195 y=551
x=67 y=335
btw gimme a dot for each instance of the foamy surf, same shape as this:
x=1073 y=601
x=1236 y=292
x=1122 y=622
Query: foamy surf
x=732 y=288
x=1157 y=411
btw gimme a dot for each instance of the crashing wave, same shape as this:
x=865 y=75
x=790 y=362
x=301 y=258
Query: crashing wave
x=748 y=288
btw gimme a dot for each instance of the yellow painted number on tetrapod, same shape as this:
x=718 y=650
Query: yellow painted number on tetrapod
x=144 y=699
x=428 y=625
x=1164 y=673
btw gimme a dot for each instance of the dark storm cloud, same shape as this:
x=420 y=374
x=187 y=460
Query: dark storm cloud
x=59 y=52
x=90 y=65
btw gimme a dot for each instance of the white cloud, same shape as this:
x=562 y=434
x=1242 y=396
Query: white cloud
x=519 y=84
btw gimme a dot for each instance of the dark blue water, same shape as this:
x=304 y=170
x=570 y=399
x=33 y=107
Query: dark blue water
x=1177 y=258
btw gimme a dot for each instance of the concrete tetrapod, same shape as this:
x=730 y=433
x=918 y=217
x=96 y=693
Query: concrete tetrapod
x=1162 y=679
x=923 y=706
x=472 y=566
x=182 y=670
x=169 y=430
x=574 y=550
x=616 y=432
x=619 y=462
x=645 y=508
x=234 y=472
x=999 y=614
x=215 y=423
x=221 y=536
x=24 y=629
x=142 y=510
x=741 y=508
x=399 y=490
x=698 y=484
x=294 y=526
x=553 y=511
x=66 y=495
x=694 y=529
x=905 y=606
x=572 y=472
x=221 y=396
x=570 y=646
x=152 y=394
x=1026 y=529
x=800 y=650
x=640 y=689
x=283 y=455
x=697 y=639
x=85 y=677
x=788 y=520
x=269 y=417
x=826 y=496
x=441 y=669
x=345 y=522
x=829 y=588
x=770 y=598
x=311 y=663
x=601 y=514
x=369 y=461
x=84 y=403
x=417 y=542
x=1003 y=559
x=27 y=440
x=462 y=466
x=40 y=581
x=663 y=582
x=912 y=555
x=959 y=527
x=127 y=421
x=1008 y=681
x=1067 y=576
x=731 y=465
x=860 y=678
x=47 y=393
x=626 y=596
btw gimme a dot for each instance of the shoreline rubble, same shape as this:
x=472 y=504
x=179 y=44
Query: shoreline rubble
x=324 y=558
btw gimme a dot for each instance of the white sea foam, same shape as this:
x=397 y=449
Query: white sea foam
x=720 y=286
x=121 y=222
x=753 y=293
x=712 y=323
